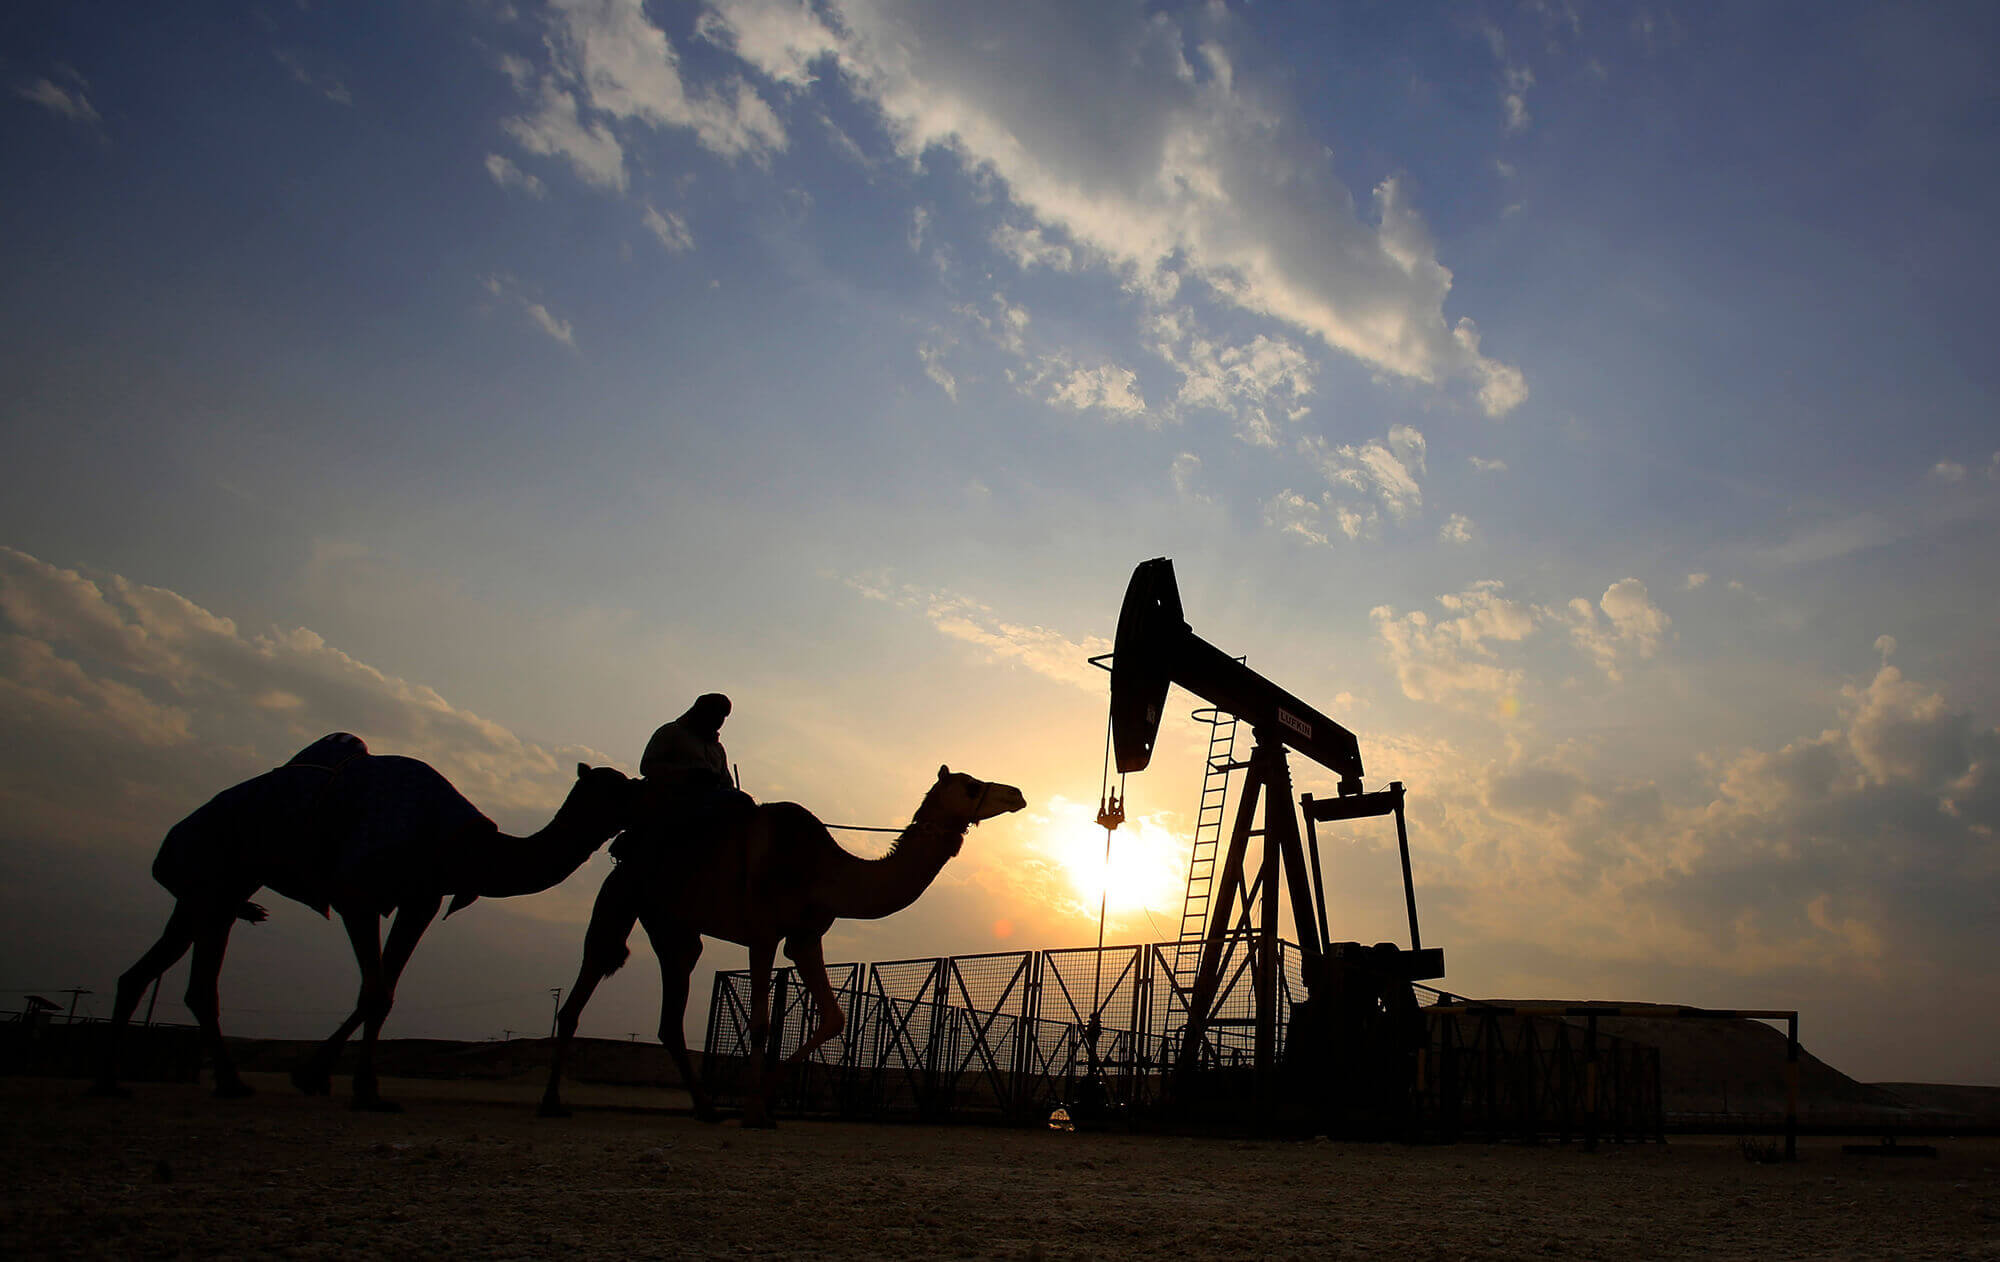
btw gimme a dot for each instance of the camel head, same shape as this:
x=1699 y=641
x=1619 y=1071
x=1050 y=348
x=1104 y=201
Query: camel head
x=960 y=797
x=603 y=802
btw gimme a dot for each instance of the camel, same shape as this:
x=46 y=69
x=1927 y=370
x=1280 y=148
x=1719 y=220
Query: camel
x=784 y=879
x=364 y=835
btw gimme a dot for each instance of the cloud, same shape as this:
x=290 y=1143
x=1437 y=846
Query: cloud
x=1457 y=528
x=1901 y=732
x=1045 y=652
x=1290 y=513
x=1694 y=580
x=1385 y=468
x=1452 y=658
x=554 y=129
x=1849 y=848
x=627 y=70
x=1005 y=325
x=1515 y=80
x=1948 y=471
x=932 y=355
x=71 y=103
x=506 y=287
x=1105 y=388
x=1502 y=388
x=507 y=175
x=1141 y=149
x=671 y=229
x=1630 y=626
x=1488 y=466
x=1028 y=247
x=125 y=704
x=1262 y=384
x=326 y=84
x=1185 y=473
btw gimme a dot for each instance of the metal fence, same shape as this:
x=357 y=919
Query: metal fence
x=1010 y=1036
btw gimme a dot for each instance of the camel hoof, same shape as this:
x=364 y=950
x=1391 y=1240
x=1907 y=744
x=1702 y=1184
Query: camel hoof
x=374 y=1104
x=234 y=1089
x=313 y=1081
x=550 y=1108
x=109 y=1091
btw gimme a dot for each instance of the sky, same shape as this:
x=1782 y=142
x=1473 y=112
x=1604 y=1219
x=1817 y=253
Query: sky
x=1591 y=406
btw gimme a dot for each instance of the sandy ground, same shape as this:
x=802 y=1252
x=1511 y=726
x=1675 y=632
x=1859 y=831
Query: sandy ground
x=470 y=1171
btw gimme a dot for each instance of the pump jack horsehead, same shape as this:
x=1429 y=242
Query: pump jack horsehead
x=1156 y=648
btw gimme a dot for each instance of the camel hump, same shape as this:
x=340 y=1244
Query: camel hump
x=330 y=752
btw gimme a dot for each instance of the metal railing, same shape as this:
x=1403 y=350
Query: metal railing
x=1010 y=1036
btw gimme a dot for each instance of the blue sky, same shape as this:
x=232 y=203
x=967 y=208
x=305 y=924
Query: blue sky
x=1591 y=406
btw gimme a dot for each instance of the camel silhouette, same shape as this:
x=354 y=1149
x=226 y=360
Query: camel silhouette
x=785 y=879
x=364 y=835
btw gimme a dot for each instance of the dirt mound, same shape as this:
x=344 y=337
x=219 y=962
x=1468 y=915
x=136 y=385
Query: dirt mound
x=1972 y=1107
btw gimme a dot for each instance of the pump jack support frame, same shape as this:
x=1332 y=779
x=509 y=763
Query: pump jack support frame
x=1269 y=779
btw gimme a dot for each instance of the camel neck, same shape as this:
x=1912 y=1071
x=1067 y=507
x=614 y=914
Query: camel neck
x=869 y=889
x=505 y=866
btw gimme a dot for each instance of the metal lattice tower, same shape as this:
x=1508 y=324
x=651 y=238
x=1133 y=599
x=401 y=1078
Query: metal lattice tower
x=1207 y=843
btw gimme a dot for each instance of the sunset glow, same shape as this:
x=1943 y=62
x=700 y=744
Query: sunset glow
x=1592 y=410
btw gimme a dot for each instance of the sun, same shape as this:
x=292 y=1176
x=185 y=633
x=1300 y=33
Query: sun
x=1142 y=875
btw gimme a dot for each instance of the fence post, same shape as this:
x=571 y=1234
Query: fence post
x=1792 y=1087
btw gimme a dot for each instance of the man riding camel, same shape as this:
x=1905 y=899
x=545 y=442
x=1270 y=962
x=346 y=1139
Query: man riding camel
x=690 y=795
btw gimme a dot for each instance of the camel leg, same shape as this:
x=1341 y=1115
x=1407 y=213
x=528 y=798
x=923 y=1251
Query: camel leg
x=679 y=950
x=364 y=931
x=757 y=1104
x=174 y=942
x=611 y=919
x=811 y=959
x=211 y=939
x=315 y=1076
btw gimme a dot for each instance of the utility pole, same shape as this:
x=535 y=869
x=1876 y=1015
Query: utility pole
x=507 y=1036
x=555 y=1012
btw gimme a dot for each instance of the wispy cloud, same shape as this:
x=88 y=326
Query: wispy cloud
x=325 y=83
x=553 y=128
x=509 y=290
x=671 y=229
x=69 y=102
x=1044 y=651
x=1154 y=164
x=507 y=175
x=1386 y=468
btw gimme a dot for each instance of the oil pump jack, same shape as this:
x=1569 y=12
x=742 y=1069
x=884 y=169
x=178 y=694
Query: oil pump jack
x=1351 y=1046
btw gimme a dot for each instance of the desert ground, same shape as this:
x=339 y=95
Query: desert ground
x=469 y=1170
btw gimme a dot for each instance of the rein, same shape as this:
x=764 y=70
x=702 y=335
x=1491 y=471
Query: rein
x=978 y=805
